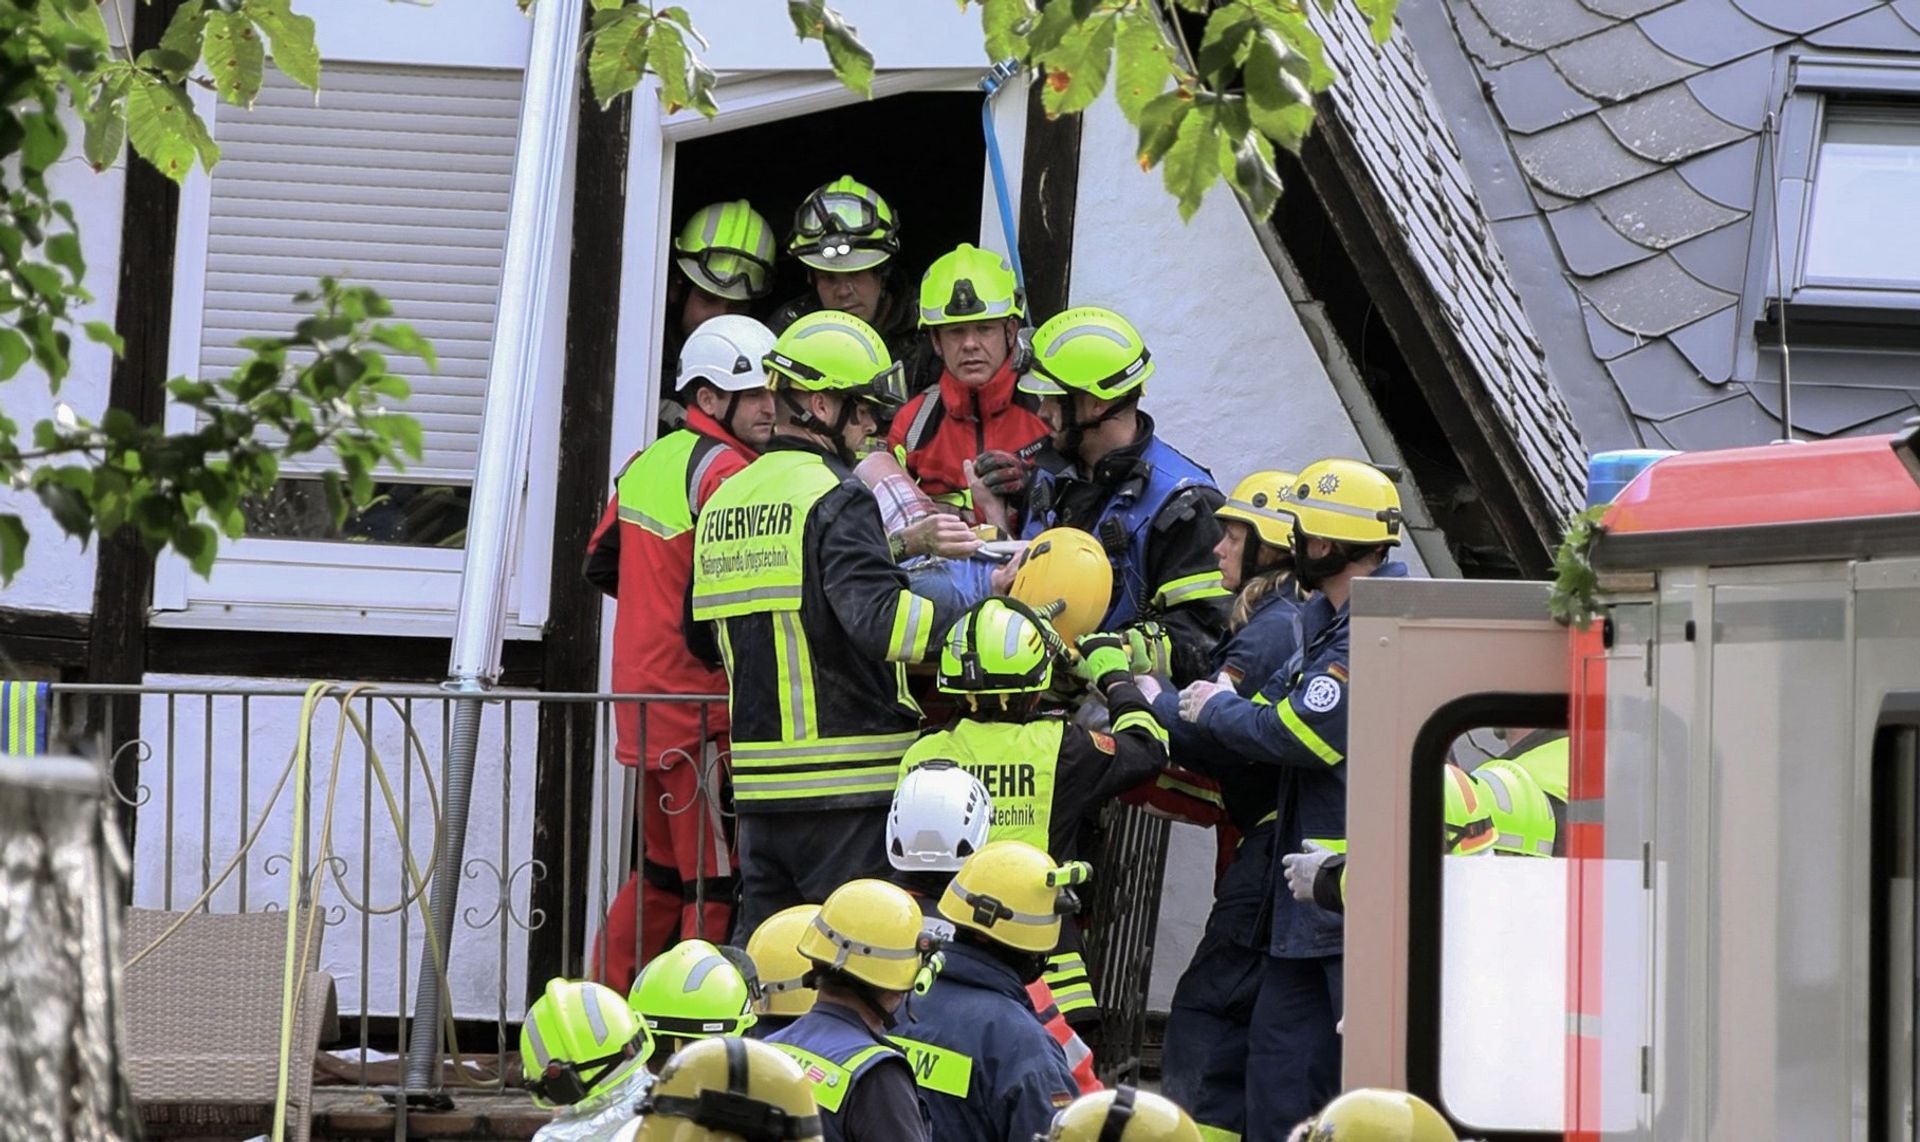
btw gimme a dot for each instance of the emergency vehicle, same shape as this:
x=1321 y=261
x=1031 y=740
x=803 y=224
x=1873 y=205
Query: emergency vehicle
x=1727 y=949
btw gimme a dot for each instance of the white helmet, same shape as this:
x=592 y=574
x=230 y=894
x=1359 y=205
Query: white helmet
x=725 y=352
x=940 y=817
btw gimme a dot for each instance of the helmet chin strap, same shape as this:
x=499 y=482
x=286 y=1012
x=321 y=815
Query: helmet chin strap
x=836 y=433
x=1077 y=429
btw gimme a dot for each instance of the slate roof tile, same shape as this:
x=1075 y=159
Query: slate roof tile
x=1539 y=24
x=1549 y=200
x=1877 y=29
x=1708 y=32
x=1479 y=39
x=1892 y=423
x=1661 y=210
x=1659 y=383
x=1652 y=298
x=1908 y=11
x=1738 y=420
x=1608 y=339
x=1532 y=96
x=1708 y=344
x=1737 y=92
x=1668 y=125
x=1579 y=159
x=1824 y=410
x=1729 y=176
x=1589 y=244
x=1798 y=17
x=1625 y=9
x=1618 y=64
x=1718 y=258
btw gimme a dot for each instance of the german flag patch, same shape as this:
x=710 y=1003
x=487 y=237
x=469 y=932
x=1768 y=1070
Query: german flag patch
x=1102 y=742
x=1062 y=1099
x=1338 y=670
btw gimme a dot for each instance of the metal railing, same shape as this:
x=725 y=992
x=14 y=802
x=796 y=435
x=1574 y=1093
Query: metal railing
x=214 y=787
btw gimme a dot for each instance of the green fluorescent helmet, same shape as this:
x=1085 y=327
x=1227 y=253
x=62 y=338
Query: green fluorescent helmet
x=830 y=351
x=1546 y=763
x=1089 y=350
x=1522 y=816
x=997 y=647
x=692 y=991
x=1469 y=816
x=969 y=284
x=574 y=1038
x=844 y=226
x=727 y=250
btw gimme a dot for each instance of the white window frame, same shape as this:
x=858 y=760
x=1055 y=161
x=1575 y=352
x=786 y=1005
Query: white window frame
x=382 y=589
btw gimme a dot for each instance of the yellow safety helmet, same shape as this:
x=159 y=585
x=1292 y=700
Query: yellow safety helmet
x=1256 y=502
x=574 y=1038
x=1065 y=576
x=727 y=250
x=830 y=351
x=844 y=226
x=1014 y=894
x=1122 y=1115
x=1087 y=349
x=774 y=947
x=1369 y=1115
x=969 y=284
x=999 y=646
x=1468 y=815
x=872 y=931
x=728 y=1090
x=1347 y=501
x=1523 y=822
x=693 y=991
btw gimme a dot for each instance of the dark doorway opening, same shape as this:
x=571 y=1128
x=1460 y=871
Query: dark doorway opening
x=922 y=152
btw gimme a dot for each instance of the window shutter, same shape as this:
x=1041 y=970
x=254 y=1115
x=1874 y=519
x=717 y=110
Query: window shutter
x=393 y=177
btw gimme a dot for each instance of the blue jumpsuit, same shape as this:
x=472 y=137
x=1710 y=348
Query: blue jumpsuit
x=860 y=1080
x=987 y=1068
x=1296 y=725
x=1204 y=1064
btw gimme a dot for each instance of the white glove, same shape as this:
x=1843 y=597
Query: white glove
x=1302 y=867
x=1149 y=686
x=1196 y=696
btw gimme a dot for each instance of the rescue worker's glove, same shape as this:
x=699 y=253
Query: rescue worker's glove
x=1303 y=870
x=1004 y=474
x=1149 y=648
x=1196 y=696
x=1103 y=658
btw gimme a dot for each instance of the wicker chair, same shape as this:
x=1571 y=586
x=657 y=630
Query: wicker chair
x=202 y=1013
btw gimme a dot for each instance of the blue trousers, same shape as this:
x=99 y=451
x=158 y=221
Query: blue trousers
x=1293 y=1053
x=1204 y=1066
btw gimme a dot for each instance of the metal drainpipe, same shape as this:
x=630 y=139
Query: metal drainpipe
x=500 y=468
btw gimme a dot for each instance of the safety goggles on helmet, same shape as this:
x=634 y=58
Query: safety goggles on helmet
x=833 y=223
x=565 y=1082
x=721 y=270
x=886 y=388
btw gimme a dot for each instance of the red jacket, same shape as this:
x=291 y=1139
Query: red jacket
x=642 y=555
x=944 y=427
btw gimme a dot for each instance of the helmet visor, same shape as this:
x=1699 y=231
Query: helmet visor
x=725 y=272
x=887 y=388
x=835 y=213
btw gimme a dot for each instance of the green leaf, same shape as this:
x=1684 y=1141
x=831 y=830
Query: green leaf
x=106 y=120
x=13 y=546
x=1006 y=23
x=69 y=507
x=851 y=61
x=1576 y=585
x=1077 y=70
x=1224 y=46
x=235 y=56
x=1056 y=20
x=294 y=52
x=402 y=339
x=1380 y=15
x=684 y=80
x=63 y=250
x=199 y=544
x=1143 y=61
x=1279 y=103
x=1193 y=162
x=14 y=352
x=45 y=140
x=185 y=31
x=1160 y=123
x=1248 y=163
x=618 y=58
x=165 y=130
x=102 y=333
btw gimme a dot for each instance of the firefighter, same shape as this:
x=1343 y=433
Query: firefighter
x=1523 y=816
x=694 y=991
x=1346 y=520
x=940 y=816
x=722 y=264
x=783 y=995
x=728 y=1090
x=816 y=624
x=848 y=237
x=989 y=1070
x=1318 y=875
x=972 y=309
x=1122 y=1115
x=1045 y=773
x=1150 y=507
x=642 y=555
x=868 y=951
x=1205 y=1062
x=1543 y=755
x=1368 y=1115
x=583 y=1054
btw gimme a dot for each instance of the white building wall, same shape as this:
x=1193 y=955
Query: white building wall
x=1236 y=385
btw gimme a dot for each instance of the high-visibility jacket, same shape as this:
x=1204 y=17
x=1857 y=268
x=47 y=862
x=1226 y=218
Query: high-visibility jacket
x=1152 y=510
x=645 y=544
x=837 y=1052
x=941 y=429
x=815 y=627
